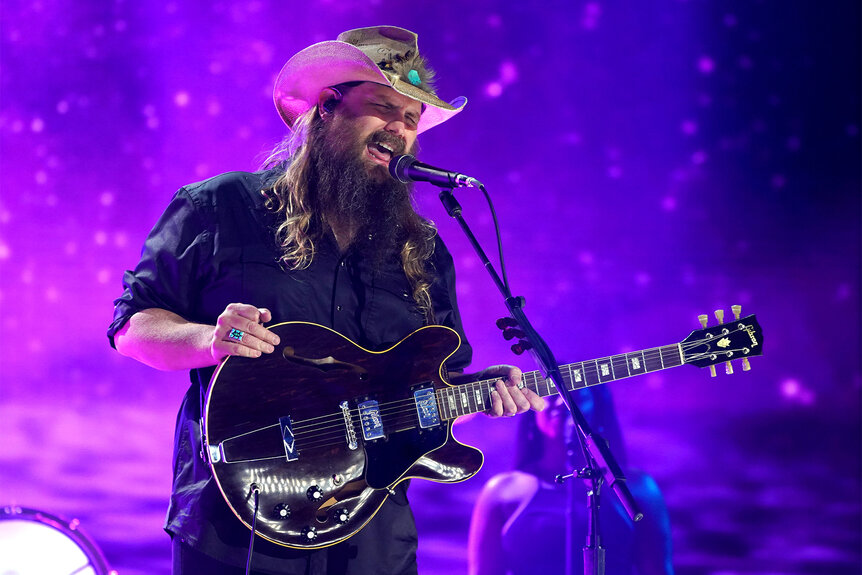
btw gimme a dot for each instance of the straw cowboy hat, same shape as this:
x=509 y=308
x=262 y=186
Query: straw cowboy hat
x=383 y=54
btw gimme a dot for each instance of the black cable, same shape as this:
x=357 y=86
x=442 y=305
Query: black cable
x=255 y=490
x=499 y=238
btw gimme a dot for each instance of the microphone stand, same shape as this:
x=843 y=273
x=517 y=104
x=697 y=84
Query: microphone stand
x=601 y=466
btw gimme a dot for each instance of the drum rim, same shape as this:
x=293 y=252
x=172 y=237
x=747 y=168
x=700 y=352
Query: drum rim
x=70 y=528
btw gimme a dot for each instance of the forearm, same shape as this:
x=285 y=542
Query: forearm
x=165 y=341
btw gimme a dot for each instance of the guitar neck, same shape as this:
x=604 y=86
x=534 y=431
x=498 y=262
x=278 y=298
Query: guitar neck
x=475 y=397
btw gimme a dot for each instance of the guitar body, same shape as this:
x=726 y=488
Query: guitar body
x=324 y=429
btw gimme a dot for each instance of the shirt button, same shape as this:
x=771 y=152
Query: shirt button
x=338 y=308
x=342 y=263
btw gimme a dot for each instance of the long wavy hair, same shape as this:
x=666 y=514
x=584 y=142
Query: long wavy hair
x=301 y=224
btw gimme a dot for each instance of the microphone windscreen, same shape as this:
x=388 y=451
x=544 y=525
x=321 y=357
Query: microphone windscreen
x=398 y=167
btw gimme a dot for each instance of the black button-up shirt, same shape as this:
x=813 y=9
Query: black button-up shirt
x=215 y=245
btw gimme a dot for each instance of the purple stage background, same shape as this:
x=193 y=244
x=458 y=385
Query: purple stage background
x=649 y=161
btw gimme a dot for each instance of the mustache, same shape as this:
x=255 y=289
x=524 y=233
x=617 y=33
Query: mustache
x=397 y=143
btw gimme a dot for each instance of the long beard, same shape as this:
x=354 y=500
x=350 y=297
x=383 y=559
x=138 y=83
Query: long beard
x=357 y=195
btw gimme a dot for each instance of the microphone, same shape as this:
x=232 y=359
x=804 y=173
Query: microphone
x=407 y=169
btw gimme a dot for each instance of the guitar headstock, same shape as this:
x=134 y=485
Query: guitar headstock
x=738 y=339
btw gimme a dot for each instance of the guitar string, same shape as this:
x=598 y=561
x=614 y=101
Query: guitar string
x=337 y=439
x=392 y=410
x=650 y=353
x=398 y=419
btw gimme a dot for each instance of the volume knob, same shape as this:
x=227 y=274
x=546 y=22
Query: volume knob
x=282 y=511
x=314 y=493
x=309 y=533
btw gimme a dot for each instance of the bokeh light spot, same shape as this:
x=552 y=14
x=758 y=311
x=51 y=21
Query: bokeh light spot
x=508 y=72
x=706 y=65
x=689 y=127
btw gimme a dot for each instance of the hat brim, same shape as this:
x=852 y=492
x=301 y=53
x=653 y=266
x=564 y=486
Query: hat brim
x=329 y=63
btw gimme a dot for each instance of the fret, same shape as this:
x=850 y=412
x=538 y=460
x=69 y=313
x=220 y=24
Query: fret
x=604 y=370
x=670 y=356
x=635 y=363
x=475 y=397
x=577 y=376
x=534 y=386
x=591 y=373
x=453 y=406
x=620 y=366
x=574 y=378
x=441 y=404
x=465 y=400
x=652 y=360
x=529 y=382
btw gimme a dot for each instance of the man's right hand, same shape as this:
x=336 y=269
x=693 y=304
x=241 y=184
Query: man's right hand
x=166 y=341
x=239 y=331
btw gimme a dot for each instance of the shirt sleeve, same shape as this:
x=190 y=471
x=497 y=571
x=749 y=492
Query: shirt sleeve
x=170 y=265
x=445 y=304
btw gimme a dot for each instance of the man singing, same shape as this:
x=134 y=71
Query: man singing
x=322 y=235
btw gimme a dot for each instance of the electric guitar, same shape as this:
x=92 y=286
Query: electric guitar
x=323 y=429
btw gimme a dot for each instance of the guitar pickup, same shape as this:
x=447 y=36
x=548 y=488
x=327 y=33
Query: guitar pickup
x=426 y=407
x=369 y=416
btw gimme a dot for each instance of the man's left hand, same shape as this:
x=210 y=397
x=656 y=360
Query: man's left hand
x=511 y=397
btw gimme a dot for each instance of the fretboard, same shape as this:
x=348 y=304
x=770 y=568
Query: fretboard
x=475 y=397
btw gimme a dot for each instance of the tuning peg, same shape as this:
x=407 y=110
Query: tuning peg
x=737 y=311
x=703 y=319
x=505 y=322
x=719 y=315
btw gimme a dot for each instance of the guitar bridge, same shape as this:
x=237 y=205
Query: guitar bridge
x=349 y=429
